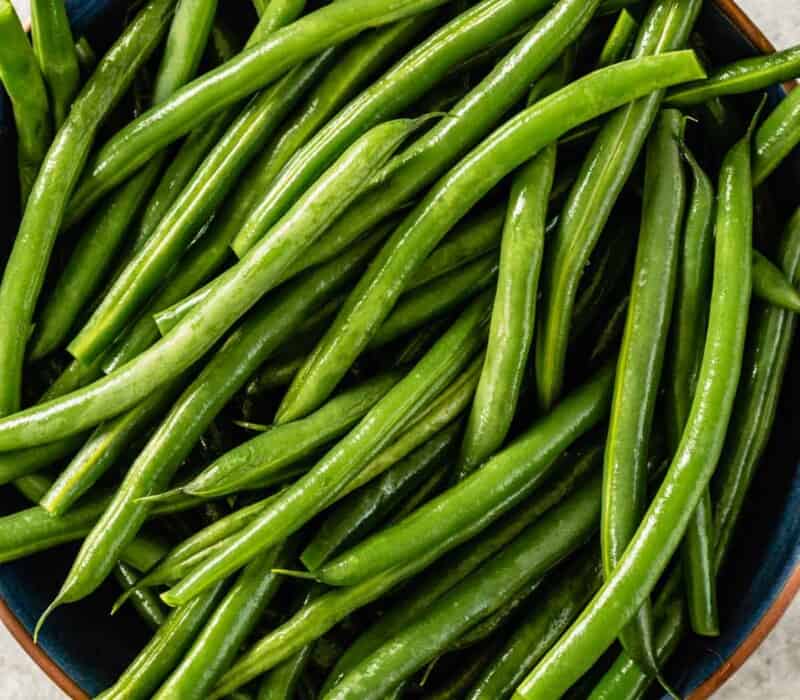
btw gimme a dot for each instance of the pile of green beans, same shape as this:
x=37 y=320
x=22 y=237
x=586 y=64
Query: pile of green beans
x=358 y=399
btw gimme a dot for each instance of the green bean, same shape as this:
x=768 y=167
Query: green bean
x=88 y=264
x=693 y=465
x=446 y=202
x=25 y=269
x=271 y=323
x=23 y=81
x=323 y=613
x=771 y=285
x=777 y=137
x=227 y=628
x=536 y=550
x=436 y=299
x=164 y=650
x=688 y=332
x=147 y=604
x=278 y=373
x=55 y=50
x=364 y=509
x=256 y=67
x=208 y=186
x=269 y=454
x=603 y=174
x=469 y=669
x=430 y=487
x=104 y=447
x=746 y=75
x=619 y=40
x=513 y=312
x=549 y=615
x=468 y=240
x=327 y=480
x=235 y=293
x=467 y=508
x=640 y=363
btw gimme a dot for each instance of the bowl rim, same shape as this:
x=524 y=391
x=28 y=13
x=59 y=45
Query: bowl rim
x=729 y=666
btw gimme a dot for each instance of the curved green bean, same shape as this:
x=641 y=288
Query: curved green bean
x=640 y=363
x=513 y=312
x=619 y=40
x=771 y=285
x=145 y=602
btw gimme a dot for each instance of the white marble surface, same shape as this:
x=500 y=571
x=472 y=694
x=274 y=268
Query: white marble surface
x=772 y=673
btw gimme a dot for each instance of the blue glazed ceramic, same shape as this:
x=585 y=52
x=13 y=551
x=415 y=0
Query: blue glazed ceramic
x=84 y=649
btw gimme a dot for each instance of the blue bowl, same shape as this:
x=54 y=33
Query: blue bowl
x=83 y=649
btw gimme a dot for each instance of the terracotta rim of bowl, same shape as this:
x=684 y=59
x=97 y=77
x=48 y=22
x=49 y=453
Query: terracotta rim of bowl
x=712 y=684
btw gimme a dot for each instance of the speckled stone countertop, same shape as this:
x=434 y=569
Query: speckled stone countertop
x=772 y=673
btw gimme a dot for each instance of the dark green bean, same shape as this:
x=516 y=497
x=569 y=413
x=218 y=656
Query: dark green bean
x=467 y=508
x=231 y=622
x=364 y=509
x=26 y=266
x=447 y=202
x=547 y=617
x=281 y=682
x=603 y=174
x=55 y=49
x=256 y=67
x=777 y=137
x=640 y=363
x=236 y=291
x=269 y=454
x=164 y=650
x=693 y=465
x=19 y=463
x=688 y=333
x=537 y=549
x=23 y=81
x=325 y=483
x=513 y=312
x=87 y=58
x=746 y=75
